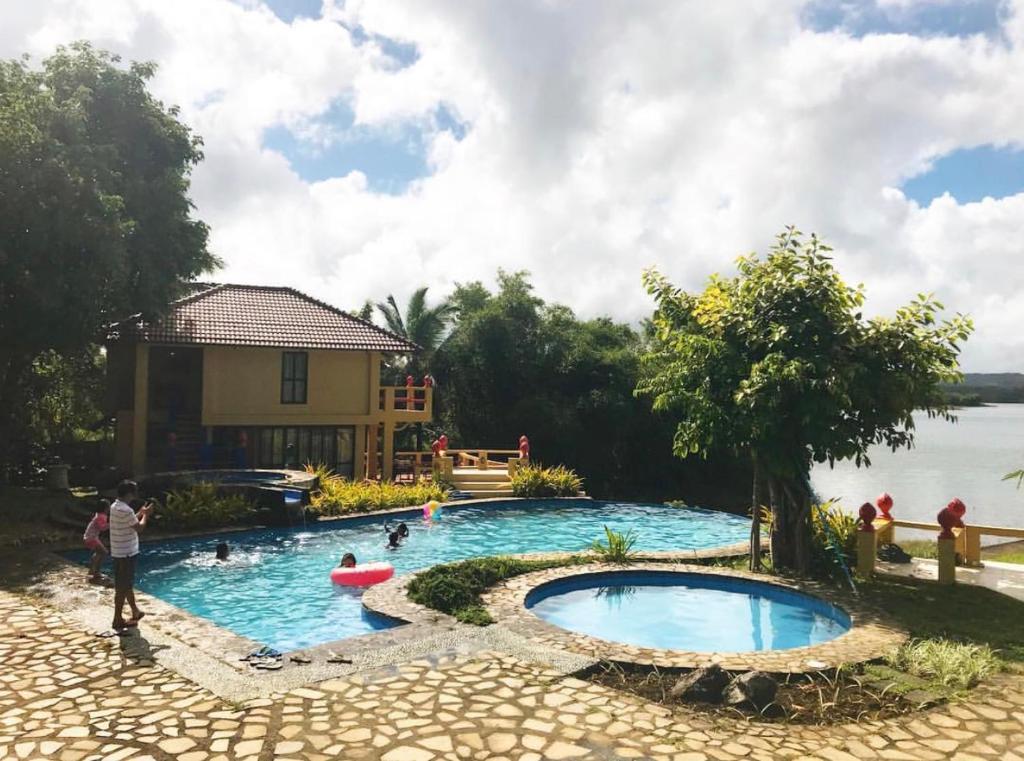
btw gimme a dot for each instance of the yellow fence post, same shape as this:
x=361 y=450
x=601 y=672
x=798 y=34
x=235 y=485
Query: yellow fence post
x=513 y=466
x=947 y=560
x=481 y=463
x=865 y=553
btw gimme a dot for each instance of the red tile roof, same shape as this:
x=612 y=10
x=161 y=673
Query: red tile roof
x=256 y=315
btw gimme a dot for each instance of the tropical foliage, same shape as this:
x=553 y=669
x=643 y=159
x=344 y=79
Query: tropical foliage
x=424 y=325
x=539 y=482
x=514 y=364
x=95 y=223
x=777 y=364
x=617 y=547
x=341 y=496
x=833 y=539
x=202 y=506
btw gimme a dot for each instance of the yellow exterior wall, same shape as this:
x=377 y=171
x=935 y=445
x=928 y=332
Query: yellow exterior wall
x=242 y=386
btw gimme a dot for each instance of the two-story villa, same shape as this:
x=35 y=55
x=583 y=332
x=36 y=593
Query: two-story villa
x=256 y=377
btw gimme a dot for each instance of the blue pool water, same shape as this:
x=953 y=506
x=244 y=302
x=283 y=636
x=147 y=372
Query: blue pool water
x=275 y=587
x=685 y=611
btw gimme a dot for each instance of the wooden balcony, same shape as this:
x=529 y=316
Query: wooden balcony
x=407 y=404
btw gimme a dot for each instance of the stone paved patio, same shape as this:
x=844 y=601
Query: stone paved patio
x=65 y=694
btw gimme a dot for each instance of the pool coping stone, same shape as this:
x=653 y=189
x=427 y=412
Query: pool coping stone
x=871 y=634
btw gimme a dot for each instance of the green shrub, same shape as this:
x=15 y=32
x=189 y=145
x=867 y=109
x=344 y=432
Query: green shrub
x=617 y=548
x=340 y=496
x=834 y=534
x=202 y=506
x=455 y=588
x=952 y=664
x=537 y=482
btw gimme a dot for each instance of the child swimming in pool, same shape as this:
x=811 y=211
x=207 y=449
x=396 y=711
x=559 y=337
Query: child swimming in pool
x=395 y=537
x=223 y=551
x=348 y=560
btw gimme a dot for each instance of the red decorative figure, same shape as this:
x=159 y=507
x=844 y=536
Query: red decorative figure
x=428 y=381
x=443 y=443
x=866 y=517
x=884 y=503
x=947 y=521
x=958 y=509
x=524 y=447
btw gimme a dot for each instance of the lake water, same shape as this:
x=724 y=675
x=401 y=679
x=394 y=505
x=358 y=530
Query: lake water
x=966 y=459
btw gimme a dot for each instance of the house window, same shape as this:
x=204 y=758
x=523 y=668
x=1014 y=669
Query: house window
x=294 y=377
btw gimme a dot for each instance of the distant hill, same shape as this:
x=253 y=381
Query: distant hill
x=986 y=388
x=1006 y=380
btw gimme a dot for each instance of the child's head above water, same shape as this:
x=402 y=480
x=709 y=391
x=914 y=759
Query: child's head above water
x=222 y=551
x=348 y=560
x=403 y=530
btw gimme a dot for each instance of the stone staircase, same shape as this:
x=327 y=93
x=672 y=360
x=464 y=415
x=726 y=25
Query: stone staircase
x=482 y=484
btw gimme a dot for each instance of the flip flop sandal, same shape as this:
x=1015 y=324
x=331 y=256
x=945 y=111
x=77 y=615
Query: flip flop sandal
x=333 y=657
x=110 y=633
x=260 y=653
x=299 y=658
x=268 y=664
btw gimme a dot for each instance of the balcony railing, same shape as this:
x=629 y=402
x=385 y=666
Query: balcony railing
x=410 y=402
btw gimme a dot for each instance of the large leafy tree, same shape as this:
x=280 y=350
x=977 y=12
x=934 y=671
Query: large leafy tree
x=779 y=365
x=95 y=219
x=424 y=325
x=514 y=364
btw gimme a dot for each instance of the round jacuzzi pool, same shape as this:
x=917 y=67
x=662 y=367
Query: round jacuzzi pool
x=695 y=612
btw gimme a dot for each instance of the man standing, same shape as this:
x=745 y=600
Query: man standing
x=125 y=525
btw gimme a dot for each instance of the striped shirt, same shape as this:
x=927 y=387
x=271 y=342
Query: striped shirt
x=124 y=539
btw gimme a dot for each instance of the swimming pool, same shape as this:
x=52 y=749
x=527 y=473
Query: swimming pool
x=275 y=587
x=694 y=612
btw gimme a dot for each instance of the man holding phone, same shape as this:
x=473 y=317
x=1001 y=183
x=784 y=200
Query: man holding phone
x=125 y=525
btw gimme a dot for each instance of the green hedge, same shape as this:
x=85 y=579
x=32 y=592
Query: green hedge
x=455 y=588
x=538 y=482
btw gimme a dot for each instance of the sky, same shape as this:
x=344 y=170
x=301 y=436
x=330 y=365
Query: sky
x=359 y=148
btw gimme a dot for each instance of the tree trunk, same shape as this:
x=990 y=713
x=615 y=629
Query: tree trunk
x=791 y=509
x=755 y=523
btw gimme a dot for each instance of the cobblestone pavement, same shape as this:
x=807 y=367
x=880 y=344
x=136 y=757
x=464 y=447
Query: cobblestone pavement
x=68 y=695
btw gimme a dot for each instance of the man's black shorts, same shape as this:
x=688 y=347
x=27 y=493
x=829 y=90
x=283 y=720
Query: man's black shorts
x=124 y=573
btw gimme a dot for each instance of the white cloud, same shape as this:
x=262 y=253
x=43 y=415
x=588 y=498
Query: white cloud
x=679 y=134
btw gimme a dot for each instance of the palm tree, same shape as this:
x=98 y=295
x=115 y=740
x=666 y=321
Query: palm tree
x=424 y=326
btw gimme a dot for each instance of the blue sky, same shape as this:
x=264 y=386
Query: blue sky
x=970 y=175
x=390 y=158
x=937 y=17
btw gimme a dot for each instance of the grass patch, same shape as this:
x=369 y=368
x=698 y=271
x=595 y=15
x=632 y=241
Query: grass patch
x=956 y=665
x=959 y=613
x=920 y=548
x=1008 y=557
x=455 y=588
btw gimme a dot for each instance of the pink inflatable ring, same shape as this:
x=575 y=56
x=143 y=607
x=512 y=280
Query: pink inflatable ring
x=363 y=575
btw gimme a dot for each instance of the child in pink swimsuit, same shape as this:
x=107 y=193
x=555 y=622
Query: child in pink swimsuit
x=98 y=524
